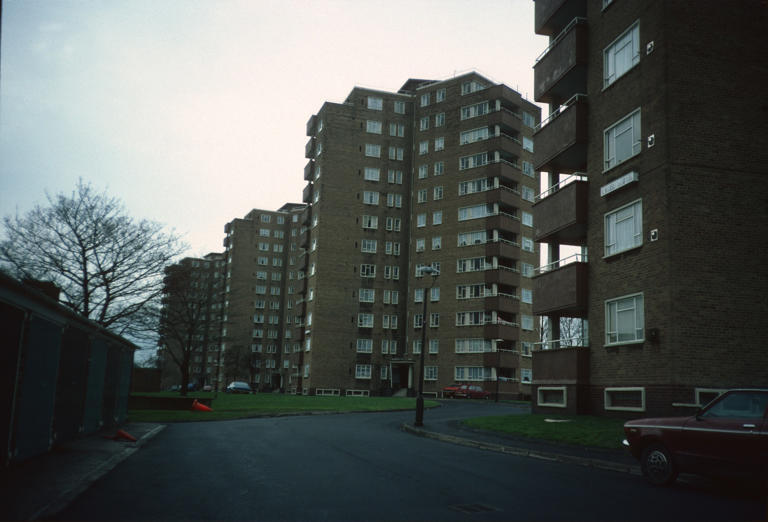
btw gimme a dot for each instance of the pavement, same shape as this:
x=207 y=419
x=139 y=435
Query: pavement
x=38 y=488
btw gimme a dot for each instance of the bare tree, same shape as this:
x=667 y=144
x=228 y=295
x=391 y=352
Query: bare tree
x=188 y=323
x=108 y=266
x=572 y=332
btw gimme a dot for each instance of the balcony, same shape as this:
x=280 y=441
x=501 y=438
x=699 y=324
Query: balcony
x=309 y=149
x=561 y=216
x=502 y=330
x=562 y=289
x=502 y=249
x=503 y=221
x=551 y=16
x=500 y=359
x=304 y=239
x=561 y=144
x=306 y=216
x=306 y=196
x=311 y=123
x=561 y=71
x=506 y=119
x=506 y=172
x=502 y=276
x=503 y=196
x=508 y=304
x=309 y=170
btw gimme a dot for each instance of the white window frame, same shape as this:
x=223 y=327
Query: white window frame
x=373 y=126
x=626 y=42
x=639 y=319
x=371 y=174
x=631 y=123
x=375 y=103
x=611 y=243
x=540 y=396
x=372 y=150
x=609 y=405
x=363 y=371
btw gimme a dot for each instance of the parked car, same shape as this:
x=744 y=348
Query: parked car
x=450 y=390
x=238 y=387
x=728 y=436
x=471 y=391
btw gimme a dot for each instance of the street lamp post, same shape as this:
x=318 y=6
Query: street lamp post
x=428 y=270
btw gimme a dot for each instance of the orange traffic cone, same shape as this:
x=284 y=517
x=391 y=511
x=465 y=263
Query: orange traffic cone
x=124 y=435
x=197 y=406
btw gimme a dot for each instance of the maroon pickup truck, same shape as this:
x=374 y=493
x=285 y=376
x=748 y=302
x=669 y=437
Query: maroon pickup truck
x=728 y=436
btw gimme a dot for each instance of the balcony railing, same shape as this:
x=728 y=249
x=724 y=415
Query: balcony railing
x=576 y=176
x=573 y=258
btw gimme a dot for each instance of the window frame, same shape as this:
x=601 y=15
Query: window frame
x=635 y=308
x=611 y=231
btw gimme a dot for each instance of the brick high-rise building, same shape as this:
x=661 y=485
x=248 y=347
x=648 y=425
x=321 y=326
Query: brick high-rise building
x=658 y=118
x=438 y=174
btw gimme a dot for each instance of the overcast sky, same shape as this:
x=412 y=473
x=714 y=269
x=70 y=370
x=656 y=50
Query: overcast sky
x=194 y=112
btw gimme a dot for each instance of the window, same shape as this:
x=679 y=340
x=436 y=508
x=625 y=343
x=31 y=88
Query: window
x=399 y=107
x=395 y=200
x=472 y=264
x=371 y=222
x=373 y=126
x=471 y=136
x=425 y=99
x=424 y=123
x=624 y=320
x=396 y=153
x=472 y=373
x=420 y=245
x=440 y=95
x=472 y=111
x=471 y=86
x=473 y=318
x=437 y=193
x=424 y=147
x=527 y=244
x=421 y=220
x=365 y=320
x=368 y=246
x=421 y=196
x=475 y=160
x=528 y=120
x=423 y=170
x=440 y=119
x=437 y=217
x=528 y=194
x=372 y=150
x=367 y=270
x=526 y=269
x=526 y=322
x=622 y=140
x=395 y=176
x=434 y=320
x=370 y=198
x=472 y=291
x=472 y=238
x=476 y=211
x=366 y=295
x=527 y=144
x=264 y=232
x=397 y=129
x=418 y=295
x=527 y=219
x=526 y=375
x=364 y=346
x=430 y=372
x=383 y=372
x=437 y=243
x=440 y=143
x=475 y=185
x=621 y=55
x=362 y=371
x=528 y=168
x=624 y=228
x=439 y=168
x=418 y=322
x=375 y=103
x=473 y=345
x=434 y=346
x=526 y=295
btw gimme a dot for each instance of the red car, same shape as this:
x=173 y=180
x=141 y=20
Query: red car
x=450 y=390
x=471 y=391
x=728 y=436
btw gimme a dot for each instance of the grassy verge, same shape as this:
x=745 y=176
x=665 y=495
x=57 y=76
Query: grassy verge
x=239 y=406
x=583 y=430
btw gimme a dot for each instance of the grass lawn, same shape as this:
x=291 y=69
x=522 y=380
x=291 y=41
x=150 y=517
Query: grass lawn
x=227 y=406
x=583 y=430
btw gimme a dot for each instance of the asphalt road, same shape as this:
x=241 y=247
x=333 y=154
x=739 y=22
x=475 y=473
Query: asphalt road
x=362 y=467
